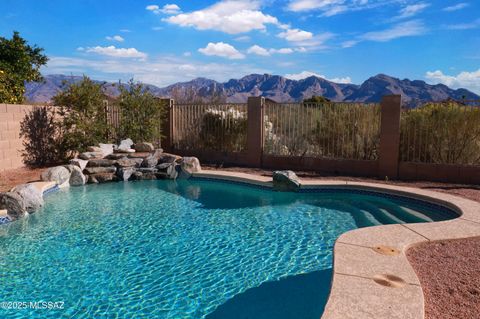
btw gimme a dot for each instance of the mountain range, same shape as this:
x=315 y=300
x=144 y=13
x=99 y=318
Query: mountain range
x=274 y=87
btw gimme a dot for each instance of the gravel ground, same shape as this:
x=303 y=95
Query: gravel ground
x=449 y=272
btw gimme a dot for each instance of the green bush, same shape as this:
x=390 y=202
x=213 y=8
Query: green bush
x=446 y=133
x=83 y=115
x=223 y=130
x=42 y=141
x=141 y=113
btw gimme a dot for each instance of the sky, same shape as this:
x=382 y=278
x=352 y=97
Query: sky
x=161 y=43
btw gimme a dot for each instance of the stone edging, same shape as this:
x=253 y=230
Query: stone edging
x=372 y=277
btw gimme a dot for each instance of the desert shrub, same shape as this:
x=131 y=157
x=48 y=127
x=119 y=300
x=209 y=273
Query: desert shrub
x=42 y=138
x=447 y=133
x=223 y=130
x=82 y=110
x=323 y=129
x=141 y=113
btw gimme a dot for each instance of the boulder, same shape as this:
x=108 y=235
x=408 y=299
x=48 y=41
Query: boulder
x=127 y=162
x=125 y=144
x=188 y=166
x=76 y=177
x=125 y=173
x=124 y=150
x=100 y=170
x=13 y=204
x=91 y=179
x=143 y=147
x=94 y=149
x=106 y=149
x=31 y=196
x=116 y=156
x=90 y=155
x=168 y=170
x=168 y=158
x=150 y=161
x=144 y=176
x=104 y=177
x=285 y=181
x=101 y=163
x=79 y=162
x=58 y=174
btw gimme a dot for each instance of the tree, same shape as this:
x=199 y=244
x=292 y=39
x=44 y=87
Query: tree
x=19 y=62
x=316 y=99
x=141 y=113
x=83 y=113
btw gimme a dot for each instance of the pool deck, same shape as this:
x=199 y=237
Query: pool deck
x=372 y=277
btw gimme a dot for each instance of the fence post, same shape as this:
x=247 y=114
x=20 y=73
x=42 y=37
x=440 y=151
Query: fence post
x=255 y=129
x=168 y=129
x=389 y=136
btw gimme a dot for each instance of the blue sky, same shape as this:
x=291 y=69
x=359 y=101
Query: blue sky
x=165 y=42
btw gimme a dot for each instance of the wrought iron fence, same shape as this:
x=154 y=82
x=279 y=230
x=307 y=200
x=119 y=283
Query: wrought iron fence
x=442 y=133
x=330 y=130
x=217 y=127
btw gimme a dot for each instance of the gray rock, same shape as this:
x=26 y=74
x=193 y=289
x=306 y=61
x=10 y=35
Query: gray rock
x=76 y=177
x=101 y=163
x=94 y=149
x=91 y=179
x=126 y=162
x=104 y=177
x=14 y=205
x=124 y=150
x=31 y=196
x=188 y=166
x=100 y=170
x=168 y=158
x=147 y=169
x=125 y=173
x=58 y=174
x=106 y=149
x=90 y=155
x=116 y=156
x=144 y=147
x=285 y=181
x=168 y=170
x=125 y=144
x=150 y=161
x=79 y=162
x=69 y=167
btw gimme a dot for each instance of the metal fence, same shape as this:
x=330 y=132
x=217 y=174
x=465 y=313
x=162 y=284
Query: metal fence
x=441 y=133
x=330 y=130
x=216 y=127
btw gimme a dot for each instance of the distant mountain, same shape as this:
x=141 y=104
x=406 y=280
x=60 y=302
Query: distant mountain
x=275 y=87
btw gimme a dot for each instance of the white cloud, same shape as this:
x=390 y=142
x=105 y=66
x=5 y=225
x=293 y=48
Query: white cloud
x=116 y=38
x=258 y=50
x=349 y=43
x=228 y=16
x=305 y=74
x=307 y=5
x=467 y=80
x=221 y=49
x=115 y=52
x=458 y=6
x=125 y=30
x=411 y=10
x=404 y=29
x=243 y=38
x=295 y=35
x=334 y=10
x=188 y=53
x=166 y=9
x=464 y=26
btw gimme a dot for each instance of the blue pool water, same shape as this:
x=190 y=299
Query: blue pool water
x=185 y=249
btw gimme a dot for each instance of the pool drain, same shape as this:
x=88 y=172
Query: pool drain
x=388 y=280
x=386 y=250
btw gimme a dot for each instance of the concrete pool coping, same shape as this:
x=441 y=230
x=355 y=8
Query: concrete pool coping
x=372 y=277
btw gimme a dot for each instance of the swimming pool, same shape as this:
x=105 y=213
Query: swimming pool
x=186 y=249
